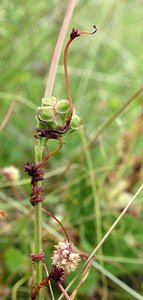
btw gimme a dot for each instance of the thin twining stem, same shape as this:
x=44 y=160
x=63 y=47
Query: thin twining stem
x=67 y=81
x=51 y=215
x=9 y=112
x=42 y=283
x=62 y=130
x=46 y=158
x=74 y=34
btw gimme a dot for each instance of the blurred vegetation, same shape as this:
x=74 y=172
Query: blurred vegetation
x=105 y=70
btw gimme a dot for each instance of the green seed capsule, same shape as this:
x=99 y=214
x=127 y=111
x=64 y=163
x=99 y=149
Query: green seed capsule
x=60 y=120
x=41 y=125
x=51 y=101
x=62 y=106
x=45 y=114
x=44 y=125
x=51 y=125
x=75 y=122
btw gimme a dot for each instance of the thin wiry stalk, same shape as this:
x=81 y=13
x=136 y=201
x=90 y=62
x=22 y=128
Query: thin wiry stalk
x=63 y=291
x=113 y=117
x=83 y=278
x=16 y=286
x=124 y=260
x=58 y=48
x=117 y=281
x=9 y=112
x=61 y=225
x=115 y=223
x=132 y=292
x=49 y=282
x=18 y=98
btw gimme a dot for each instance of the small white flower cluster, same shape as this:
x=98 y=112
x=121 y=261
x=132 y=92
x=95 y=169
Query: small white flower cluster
x=65 y=257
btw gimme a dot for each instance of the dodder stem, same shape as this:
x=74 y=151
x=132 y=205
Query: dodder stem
x=67 y=80
x=61 y=225
x=74 y=34
x=36 y=292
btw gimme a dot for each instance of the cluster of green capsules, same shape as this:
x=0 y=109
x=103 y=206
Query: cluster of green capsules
x=53 y=114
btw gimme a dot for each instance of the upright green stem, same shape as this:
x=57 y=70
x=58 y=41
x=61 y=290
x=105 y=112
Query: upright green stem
x=39 y=147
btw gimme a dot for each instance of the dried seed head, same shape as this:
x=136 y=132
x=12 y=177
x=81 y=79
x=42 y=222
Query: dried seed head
x=58 y=274
x=34 y=171
x=65 y=257
x=37 y=195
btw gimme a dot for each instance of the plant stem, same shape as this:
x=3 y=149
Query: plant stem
x=38 y=289
x=16 y=286
x=58 y=48
x=9 y=112
x=39 y=144
x=39 y=147
x=63 y=291
x=115 y=223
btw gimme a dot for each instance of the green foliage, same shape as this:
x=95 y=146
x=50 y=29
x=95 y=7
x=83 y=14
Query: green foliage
x=15 y=261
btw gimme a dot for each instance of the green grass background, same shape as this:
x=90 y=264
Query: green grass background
x=104 y=71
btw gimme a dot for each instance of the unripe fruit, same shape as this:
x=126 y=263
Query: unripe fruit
x=45 y=114
x=75 y=122
x=62 y=106
x=49 y=101
x=40 y=124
